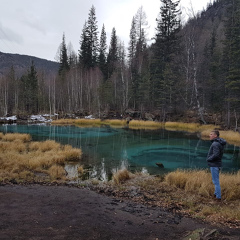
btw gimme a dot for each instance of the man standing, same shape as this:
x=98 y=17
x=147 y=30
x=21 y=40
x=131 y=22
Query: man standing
x=214 y=159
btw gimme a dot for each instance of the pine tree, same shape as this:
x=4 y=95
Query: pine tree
x=215 y=83
x=84 y=52
x=112 y=54
x=132 y=43
x=89 y=48
x=64 y=64
x=232 y=59
x=165 y=49
x=29 y=91
x=103 y=52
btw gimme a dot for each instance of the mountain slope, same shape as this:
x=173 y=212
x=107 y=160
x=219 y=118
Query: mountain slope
x=22 y=62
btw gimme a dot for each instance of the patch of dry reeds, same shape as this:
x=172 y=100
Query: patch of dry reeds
x=115 y=122
x=10 y=137
x=136 y=124
x=201 y=182
x=78 y=122
x=21 y=159
x=189 y=127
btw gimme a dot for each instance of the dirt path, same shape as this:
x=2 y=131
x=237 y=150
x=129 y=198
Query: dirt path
x=60 y=212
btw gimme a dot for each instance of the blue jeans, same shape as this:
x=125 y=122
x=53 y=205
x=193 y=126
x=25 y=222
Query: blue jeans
x=215 y=180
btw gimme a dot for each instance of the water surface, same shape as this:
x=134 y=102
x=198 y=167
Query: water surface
x=107 y=149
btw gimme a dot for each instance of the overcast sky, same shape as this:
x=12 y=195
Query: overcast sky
x=36 y=27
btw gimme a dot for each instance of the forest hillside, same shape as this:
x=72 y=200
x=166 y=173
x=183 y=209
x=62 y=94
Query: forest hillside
x=190 y=72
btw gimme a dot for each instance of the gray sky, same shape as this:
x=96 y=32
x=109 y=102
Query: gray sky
x=36 y=27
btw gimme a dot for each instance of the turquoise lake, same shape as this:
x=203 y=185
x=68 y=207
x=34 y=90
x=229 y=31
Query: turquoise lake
x=108 y=149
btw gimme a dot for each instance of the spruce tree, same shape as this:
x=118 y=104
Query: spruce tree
x=137 y=56
x=29 y=91
x=84 y=52
x=132 y=43
x=89 y=44
x=103 y=52
x=112 y=54
x=64 y=64
x=232 y=59
x=165 y=49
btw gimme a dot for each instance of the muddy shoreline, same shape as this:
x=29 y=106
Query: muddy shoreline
x=67 y=212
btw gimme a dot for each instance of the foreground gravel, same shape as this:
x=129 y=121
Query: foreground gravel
x=62 y=212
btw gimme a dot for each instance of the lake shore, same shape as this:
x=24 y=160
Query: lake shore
x=65 y=212
x=149 y=192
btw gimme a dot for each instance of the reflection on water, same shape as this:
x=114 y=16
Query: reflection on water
x=107 y=150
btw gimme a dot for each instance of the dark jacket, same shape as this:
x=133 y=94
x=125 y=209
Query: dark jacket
x=215 y=153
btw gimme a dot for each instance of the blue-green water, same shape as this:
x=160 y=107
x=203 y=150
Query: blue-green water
x=107 y=149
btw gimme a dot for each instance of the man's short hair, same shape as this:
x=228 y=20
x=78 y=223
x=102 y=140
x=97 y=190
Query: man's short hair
x=216 y=132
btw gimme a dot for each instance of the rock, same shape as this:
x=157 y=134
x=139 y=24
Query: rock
x=149 y=116
x=160 y=165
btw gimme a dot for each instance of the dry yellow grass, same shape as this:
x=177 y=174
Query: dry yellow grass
x=189 y=192
x=230 y=136
x=71 y=154
x=78 y=122
x=57 y=172
x=80 y=170
x=189 y=127
x=115 y=122
x=121 y=176
x=16 y=136
x=63 y=122
x=21 y=159
x=90 y=122
x=135 y=124
x=201 y=182
x=230 y=184
x=45 y=146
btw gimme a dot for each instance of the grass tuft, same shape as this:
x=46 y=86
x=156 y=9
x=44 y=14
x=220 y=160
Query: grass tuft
x=57 y=172
x=71 y=154
x=10 y=137
x=121 y=176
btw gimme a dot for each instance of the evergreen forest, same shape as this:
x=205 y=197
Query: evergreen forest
x=189 y=71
